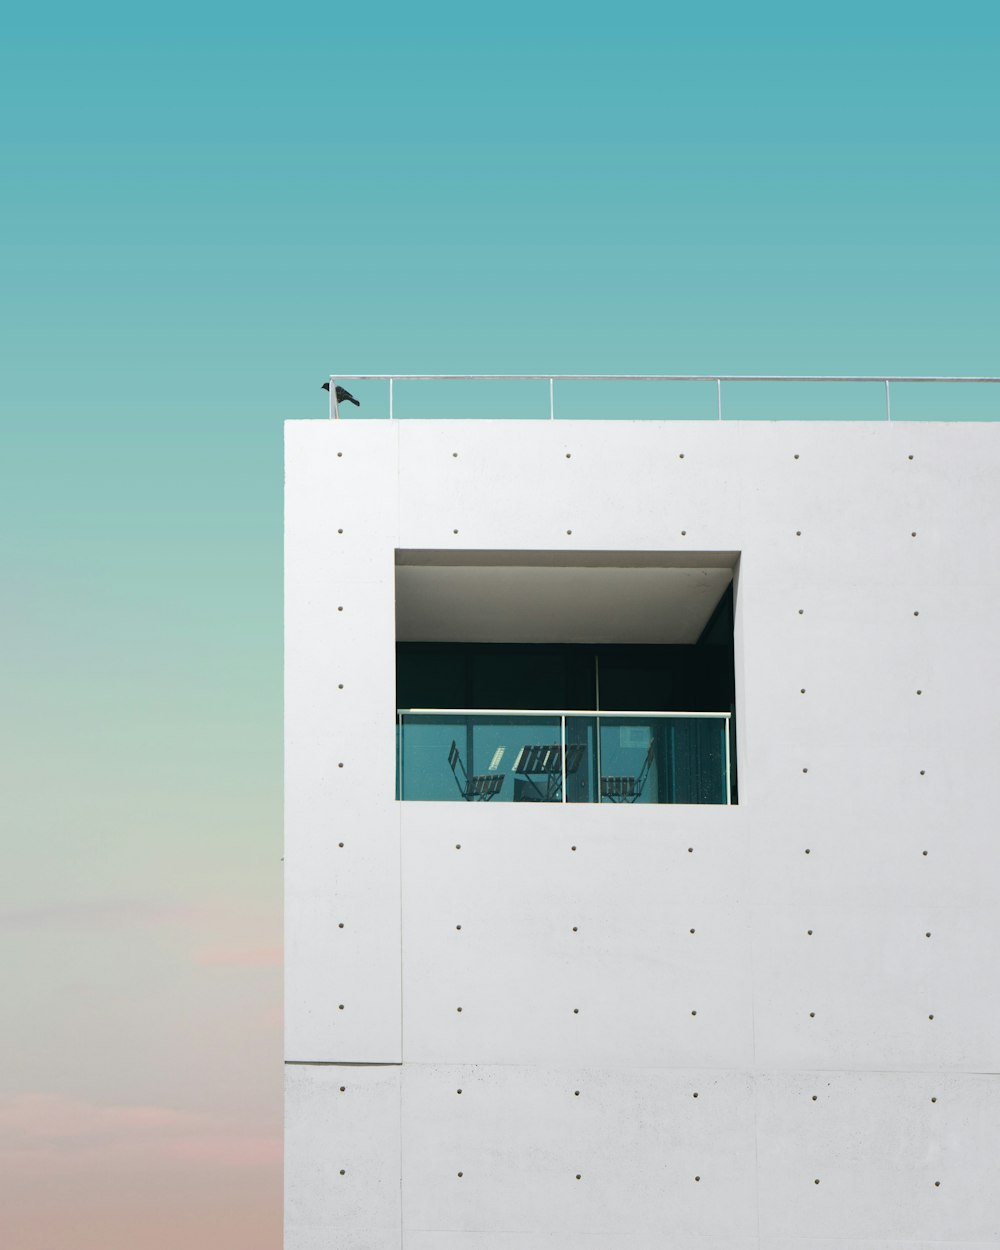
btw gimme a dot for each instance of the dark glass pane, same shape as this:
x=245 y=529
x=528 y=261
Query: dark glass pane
x=663 y=760
x=516 y=678
x=581 y=759
x=430 y=678
x=694 y=754
x=499 y=759
x=640 y=686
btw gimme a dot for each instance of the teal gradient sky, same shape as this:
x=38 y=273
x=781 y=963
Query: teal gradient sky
x=206 y=209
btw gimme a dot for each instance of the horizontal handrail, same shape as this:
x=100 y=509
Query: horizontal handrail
x=506 y=711
x=884 y=380
x=648 y=377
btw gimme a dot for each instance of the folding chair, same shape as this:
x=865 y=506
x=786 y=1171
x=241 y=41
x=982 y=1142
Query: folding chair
x=481 y=787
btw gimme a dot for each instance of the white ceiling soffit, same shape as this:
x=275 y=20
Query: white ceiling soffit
x=547 y=603
x=571 y=559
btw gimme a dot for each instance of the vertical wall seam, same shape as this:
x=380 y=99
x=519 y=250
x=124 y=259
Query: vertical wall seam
x=399 y=813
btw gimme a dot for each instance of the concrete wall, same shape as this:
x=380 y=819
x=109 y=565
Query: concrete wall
x=626 y=1082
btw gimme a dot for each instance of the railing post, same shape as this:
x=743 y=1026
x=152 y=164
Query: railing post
x=334 y=406
x=888 y=411
x=552 y=403
x=597 y=751
x=597 y=722
x=563 y=731
x=390 y=399
x=718 y=395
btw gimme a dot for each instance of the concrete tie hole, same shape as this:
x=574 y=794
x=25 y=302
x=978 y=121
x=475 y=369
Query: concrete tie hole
x=343 y=1171
x=458 y=1091
x=933 y=1100
x=340 y=1006
x=815 y=1097
x=343 y=1089
x=816 y=1181
x=812 y=1015
x=576 y=1011
x=579 y=1176
x=576 y=1093
x=694 y=1013
x=809 y=932
x=459 y=1010
x=695 y=1094
x=697 y=1178
x=341 y=925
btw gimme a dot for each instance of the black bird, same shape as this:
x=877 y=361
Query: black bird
x=343 y=395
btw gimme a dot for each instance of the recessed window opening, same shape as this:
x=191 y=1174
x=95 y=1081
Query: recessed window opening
x=586 y=677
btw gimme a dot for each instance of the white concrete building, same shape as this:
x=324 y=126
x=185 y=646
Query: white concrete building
x=564 y=993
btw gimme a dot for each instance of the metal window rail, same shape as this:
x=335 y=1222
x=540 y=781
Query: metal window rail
x=563 y=714
x=552 y=378
x=516 y=711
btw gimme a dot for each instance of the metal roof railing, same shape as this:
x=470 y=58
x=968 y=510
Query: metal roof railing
x=717 y=378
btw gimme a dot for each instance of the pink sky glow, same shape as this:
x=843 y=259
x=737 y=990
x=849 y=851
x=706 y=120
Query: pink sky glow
x=83 y=1176
x=40 y=1130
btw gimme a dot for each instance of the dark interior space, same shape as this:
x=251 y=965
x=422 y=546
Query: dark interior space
x=530 y=676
